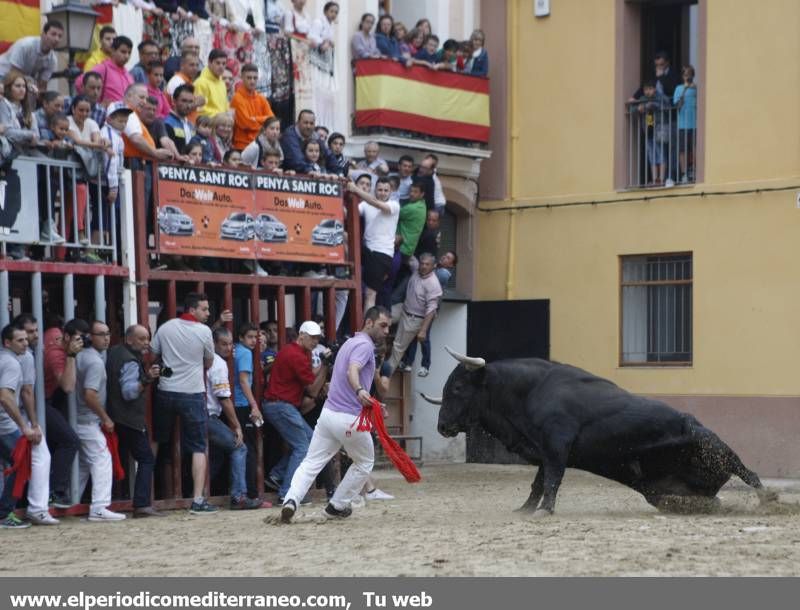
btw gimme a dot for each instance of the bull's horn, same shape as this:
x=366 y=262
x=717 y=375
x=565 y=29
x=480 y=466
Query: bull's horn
x=468 y=361
x=431 y=399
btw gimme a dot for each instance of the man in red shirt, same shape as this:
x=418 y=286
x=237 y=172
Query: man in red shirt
x=60 y=350
x=290 y=380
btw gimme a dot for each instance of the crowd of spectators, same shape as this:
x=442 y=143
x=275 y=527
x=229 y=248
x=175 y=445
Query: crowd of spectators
x=227 y=107
x=188 y=365
x=418 y=46
x=234 y=100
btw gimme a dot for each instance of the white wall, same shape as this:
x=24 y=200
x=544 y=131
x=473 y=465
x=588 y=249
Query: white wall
x=450 y=328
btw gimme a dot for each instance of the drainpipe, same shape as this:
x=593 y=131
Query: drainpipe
x=513 y=22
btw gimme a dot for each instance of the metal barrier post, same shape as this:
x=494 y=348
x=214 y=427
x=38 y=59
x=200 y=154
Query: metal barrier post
x=4 y=296
x=100 y=298
x=281 y=299
x=38 y=353
x=177 y=457
x=126 y=248
x=258 y=376
x=69 y=314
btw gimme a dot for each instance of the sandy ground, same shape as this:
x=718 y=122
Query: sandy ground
x=458 y=521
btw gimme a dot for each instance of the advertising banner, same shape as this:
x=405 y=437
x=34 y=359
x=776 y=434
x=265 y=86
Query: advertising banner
x=298 y=219
x=233 y=214
x=205 y=212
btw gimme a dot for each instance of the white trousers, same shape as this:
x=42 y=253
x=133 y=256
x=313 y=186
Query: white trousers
x=95 y=461
x=39 y=485
x=333 y=431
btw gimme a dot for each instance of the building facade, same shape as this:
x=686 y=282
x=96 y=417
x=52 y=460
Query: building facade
x=685 y=293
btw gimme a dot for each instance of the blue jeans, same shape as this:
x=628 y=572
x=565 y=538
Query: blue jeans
x=221 y=436
x=193 y=413
x=290 y=424
x=7 y=501
x=137 y=443
x=411 y=351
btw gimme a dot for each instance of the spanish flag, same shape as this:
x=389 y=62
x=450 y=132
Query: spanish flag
x=18 y=18
x=437 y=103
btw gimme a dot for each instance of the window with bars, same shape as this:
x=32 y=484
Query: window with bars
x=656 y=307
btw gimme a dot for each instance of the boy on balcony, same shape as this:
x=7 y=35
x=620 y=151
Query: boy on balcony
x=655 y=123
x=685 y=99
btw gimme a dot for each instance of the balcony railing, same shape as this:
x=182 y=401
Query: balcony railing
x=661 y=152
x=436 y=104
x=54 y=203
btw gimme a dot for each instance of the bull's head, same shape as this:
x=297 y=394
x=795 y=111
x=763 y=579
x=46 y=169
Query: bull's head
x=462 y=393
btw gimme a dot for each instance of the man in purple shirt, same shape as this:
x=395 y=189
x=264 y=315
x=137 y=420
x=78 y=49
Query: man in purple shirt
x=353 y=372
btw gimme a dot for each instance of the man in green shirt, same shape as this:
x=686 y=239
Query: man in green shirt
x=411 y=221
x=409 y=228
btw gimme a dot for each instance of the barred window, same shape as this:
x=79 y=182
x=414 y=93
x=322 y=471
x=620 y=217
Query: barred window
x=656 y=302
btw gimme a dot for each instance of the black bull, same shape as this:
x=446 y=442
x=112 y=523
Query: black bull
x=557 y=416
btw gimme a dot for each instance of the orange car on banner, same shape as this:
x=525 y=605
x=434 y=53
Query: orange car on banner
x=206 y=211
x=299 y=219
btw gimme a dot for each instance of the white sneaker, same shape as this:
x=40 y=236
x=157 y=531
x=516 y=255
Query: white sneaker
x=422 y=372
x=313 y=275
x=54 y=236
x=669 y=183
x=104 y=514
x=406 y=368
x=42 y=518
x=377 y=494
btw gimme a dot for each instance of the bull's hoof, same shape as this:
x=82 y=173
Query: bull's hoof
x=767 y=496
x=686 y=505
x=526 y=508
x=541 y=513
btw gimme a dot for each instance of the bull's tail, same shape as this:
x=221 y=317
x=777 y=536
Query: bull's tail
x=733 y=465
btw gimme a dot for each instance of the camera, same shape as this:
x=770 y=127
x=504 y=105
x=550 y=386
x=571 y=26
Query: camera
x=166 y=371
x=87 y=341
x=331 y=357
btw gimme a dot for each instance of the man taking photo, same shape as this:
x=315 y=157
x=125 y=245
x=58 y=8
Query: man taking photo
x=128 y=381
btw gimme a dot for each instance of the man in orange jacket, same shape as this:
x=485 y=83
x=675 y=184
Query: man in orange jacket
x=250 y=107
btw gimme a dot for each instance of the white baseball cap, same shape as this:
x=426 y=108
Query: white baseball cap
x=118 y=107
x=311 y=328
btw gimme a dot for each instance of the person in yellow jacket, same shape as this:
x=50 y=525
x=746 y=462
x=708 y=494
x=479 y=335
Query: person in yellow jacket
x=103 y=52
x=211 y=86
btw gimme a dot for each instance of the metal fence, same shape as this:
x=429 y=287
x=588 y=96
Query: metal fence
x=661 y=151
x=71 y=207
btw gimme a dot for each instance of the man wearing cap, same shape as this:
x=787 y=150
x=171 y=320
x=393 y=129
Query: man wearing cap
x=290 y=380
